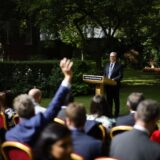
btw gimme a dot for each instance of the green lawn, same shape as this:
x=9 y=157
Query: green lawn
x=133 y=81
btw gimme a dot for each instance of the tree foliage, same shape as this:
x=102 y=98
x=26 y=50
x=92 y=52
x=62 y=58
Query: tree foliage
x=133 y=23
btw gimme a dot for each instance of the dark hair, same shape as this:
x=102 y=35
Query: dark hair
x=148 y=110
x=68 y=99
x=77 y=114
x=9 y=98
x=2 y=101
x=50 y=135
x=134 y=99
x=98 y=105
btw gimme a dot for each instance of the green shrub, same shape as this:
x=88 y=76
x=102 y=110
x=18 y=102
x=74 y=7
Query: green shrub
x=46 y=75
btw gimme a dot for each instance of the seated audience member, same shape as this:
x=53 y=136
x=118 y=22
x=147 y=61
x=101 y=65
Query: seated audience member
x=54 y=143
x=156 y=136
x=84 y=145
x=36 y=94
x=68 y=99
x=135 y=144
x=132 y=102
x=30 y=124
x=2 y=130
x=2 y=101
x=98 y=107
x=9 y=111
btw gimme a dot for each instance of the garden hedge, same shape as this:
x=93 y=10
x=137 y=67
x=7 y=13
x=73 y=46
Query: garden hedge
x=46 y=75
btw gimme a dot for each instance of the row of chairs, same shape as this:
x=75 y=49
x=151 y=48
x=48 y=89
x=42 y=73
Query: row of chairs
x=3 y=122
x=18 y=151
x=114 y=131
x=12 y=150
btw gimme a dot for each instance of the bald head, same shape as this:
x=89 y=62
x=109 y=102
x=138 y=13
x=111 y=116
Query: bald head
x=36 y=94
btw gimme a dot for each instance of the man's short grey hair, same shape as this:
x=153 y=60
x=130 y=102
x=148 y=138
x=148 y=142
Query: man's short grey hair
x=134 y=99
x=113 y=53
x=148 y=110
x=24 y=105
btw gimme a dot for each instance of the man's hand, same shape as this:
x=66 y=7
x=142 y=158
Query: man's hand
x=66 y=67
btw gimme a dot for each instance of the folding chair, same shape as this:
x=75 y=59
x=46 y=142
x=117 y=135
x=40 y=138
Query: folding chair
x=59 y=121
x=12 y=150
x=105 y=158
x=16 y=119
x=3 y=123
x=75 y=156
x=119 y=129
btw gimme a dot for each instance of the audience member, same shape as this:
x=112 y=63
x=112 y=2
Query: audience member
x=30 y=124
x=132 y=102
x=68 y=99
x=2 y=130
x=156 y=136
x=98 y=111
x=2 y=101
x=84 y=145
x=36 y=94
x=55 y=143
x=9 y=110
x=135 y=144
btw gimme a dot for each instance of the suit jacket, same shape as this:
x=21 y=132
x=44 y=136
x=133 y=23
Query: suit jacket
x=134 y=145
x=28 y=130
x=127 y=120
x=116 y=72
x=85 y=145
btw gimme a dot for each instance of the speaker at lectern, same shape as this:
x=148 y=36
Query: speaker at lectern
x=99 y=81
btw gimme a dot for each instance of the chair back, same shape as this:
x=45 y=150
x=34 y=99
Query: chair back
x=3 y=123
x=119 y=129
x=75 y=156
x=12 y=150
x=105 y=158
x=16 y=119
x=95 y=129
x=59 y=121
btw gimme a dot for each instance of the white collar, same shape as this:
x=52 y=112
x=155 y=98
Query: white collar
x=132 y=111
x=140 y=128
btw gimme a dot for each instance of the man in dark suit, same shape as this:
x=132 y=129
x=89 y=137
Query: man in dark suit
x=113 y=71
x=135 y=144
x=30 y=124
x=84 y=145
x=132 y=102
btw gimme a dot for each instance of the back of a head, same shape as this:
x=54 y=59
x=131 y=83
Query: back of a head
x=98 y=105
x=148 y=111
x=68 y=99
x=24 y=105
x=134 y=99
x=9 y=98
x=36 y=94
x=76 y=113
x=49 y=136
x=2 y=100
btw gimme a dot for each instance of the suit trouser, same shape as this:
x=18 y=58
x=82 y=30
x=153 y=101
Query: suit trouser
x=113 y=96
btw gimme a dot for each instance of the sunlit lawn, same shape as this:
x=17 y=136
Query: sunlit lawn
x=133 y=81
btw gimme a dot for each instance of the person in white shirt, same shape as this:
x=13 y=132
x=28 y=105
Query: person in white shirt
x=36 y=94
x=98 y=113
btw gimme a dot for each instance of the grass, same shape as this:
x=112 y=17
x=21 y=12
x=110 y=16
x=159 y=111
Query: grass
x=133 y=81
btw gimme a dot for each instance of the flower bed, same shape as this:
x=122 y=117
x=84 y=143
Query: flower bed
x=148 y=69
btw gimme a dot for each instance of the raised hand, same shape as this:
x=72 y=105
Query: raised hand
x=66 y=67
